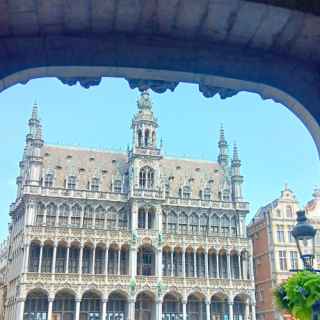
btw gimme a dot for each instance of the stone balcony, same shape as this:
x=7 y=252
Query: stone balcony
x=76 y=194
x=47 y=232
x=141 y=281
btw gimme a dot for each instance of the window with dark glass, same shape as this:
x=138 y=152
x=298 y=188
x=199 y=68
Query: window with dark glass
x=48 y=180
x=71 y=183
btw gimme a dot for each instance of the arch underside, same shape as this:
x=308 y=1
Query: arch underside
x=160 y=64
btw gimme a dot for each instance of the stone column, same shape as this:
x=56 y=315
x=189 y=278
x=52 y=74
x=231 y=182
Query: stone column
x=239 y=263
x=184 y=262
x=159 y=310
x=217 y=265
x=131 y=309
x=246 y=311
x=104 y=309
x=230 y=310
x=250 y=266
x=253 y=311
x=93 y=259
x=133 y=261
x=172 y=263
x=195 y=263
x=78 y=301
x=245 y=267
x=106 y=261
x=50 y=301
x=147 y=220
x=159 y=215
x=80 y=258
x=159 y=263
x=54 y=258
x=229 y=266
x=20 y=309
x=26 y=257
x=184 y=309
x=67 y=260
x=208 y=317
x=40 y=258
x=119 y=261
x=206 y=264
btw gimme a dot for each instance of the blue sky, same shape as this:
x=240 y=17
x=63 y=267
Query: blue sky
x=274 y=146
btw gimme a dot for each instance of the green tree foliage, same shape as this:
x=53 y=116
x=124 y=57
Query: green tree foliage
x=298 y=294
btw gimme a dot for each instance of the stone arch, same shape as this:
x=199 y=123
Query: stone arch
x=145 y=304
x=219 y=305
x=36 y=302
x=64 y=302
x=172 y=303
x=196 y=305
x=117 y=304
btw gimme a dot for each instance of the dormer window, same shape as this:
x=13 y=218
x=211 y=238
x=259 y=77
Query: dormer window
x=186 y=192
x=71 y=183
x=48 y=180
x=95 y=184
x=117 y=187
x=146 y=178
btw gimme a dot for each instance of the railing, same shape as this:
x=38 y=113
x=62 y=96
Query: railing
x=81 y=194
x=124 y=280
x=147 y=193
x=115 y=235
x=207 y=204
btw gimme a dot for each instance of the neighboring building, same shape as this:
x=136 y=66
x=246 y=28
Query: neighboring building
x=136 y=235
x=3 y=270
x=274 y=249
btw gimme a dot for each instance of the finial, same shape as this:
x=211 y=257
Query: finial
x=316 y=192
x=286 y=186
x=144 y=102
x=235 y=151
x=222 y=138
x=35 y=111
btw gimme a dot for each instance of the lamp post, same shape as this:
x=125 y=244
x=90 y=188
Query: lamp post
x=304 y=233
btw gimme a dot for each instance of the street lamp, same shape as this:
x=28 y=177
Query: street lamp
x=304 y=234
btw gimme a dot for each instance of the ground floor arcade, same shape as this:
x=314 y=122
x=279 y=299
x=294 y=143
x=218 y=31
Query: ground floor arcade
x=144 y=306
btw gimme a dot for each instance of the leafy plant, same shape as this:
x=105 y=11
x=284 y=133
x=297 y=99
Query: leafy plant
x=298 y=294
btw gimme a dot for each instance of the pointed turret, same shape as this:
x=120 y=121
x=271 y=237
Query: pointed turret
x=236 y=178
x=30 y=166
x=223 y=158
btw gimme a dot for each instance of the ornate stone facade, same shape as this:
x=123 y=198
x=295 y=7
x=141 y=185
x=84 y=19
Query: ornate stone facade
x=136 y=235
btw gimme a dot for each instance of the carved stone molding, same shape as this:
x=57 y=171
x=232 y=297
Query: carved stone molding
x=209 y=91
x=157 y=86
x=85 y=82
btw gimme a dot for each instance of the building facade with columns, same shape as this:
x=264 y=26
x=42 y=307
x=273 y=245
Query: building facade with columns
x=275 y=251
x=134 y=235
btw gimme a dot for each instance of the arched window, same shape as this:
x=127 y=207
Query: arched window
x=153 y=138
x=183 y=223
x=146 y=178
x=117 y=186
x=141 y=218
x=40 y=214
x=76 y=216
x=207 y=194
x=139 y=138
x=48 y=180
x=112 y=219
x=234 y=226
x=123 y=219
x=214 y=224
x=194 y=223
x=204 y=224
x=172 y=222
x=88 y=217
x=71 y=183
x=95 y=184
x=100 y=217
x=186 y=192
x=146 y=138
x=225 y=225
x=51 y=214
x=64 y=215
x=289 y=211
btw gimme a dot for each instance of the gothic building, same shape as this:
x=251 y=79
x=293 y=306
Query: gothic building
x=135 y=235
